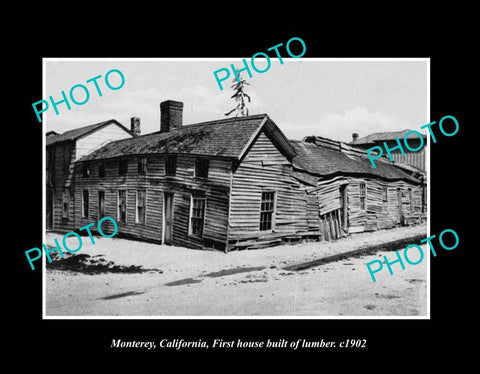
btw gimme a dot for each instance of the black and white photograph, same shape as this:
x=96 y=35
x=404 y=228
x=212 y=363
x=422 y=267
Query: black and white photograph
x=241 y=191
x=179 y=188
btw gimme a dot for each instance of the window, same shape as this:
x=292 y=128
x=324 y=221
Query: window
x=86 y=170
x=122 y=206
x=101 y=169
x=85 y=203
x=170 y=165
x=66 y=203
x=197 y=216
x=142 y=165
x=363 y=195
x=141 y=205
x=385 y=198
x=201 y=167
x=101 y=204
x=267 y=209
x=123 y=166
x=410 y=196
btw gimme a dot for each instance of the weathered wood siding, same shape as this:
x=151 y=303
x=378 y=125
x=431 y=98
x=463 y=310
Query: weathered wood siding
x=377 y=213
x=60 y=174
x=265 y=169
x=313 y=215
x=59 y=178
x=328 y=195
x=183 y=185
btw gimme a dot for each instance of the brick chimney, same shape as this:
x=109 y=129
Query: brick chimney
x=135 y=126
x=355 y=136
x=171 y=113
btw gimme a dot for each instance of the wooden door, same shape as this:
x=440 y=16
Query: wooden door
x=168 y=217
x=344 y=207
x=399 y=202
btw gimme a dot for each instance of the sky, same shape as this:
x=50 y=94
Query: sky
x=304 y=96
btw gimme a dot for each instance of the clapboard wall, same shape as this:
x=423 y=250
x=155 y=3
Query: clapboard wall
x=59 y=180
x=378 y=212
x=215 y=189
x=265 y=169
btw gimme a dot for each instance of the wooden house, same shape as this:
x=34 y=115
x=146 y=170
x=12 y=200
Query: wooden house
x=236 y=183
x=222 y=184
x=351 y=195
x=62 y=150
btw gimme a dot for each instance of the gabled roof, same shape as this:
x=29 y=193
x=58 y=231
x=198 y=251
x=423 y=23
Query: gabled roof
x=322 y=161
x=81 y=131
x=382 y=137
x=230 y=137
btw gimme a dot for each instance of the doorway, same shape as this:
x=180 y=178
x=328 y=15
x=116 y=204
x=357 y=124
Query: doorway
x=168 y=217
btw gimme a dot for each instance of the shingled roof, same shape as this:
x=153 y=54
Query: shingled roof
x=228 y=137
x=382 y=137
x=82 y=131
x=323 y=161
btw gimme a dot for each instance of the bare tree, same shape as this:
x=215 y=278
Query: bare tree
x=239 y=96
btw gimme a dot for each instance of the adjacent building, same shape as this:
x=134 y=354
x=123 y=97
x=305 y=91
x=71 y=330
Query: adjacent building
x=416 y=159
x=62 y=150
x=349 y=195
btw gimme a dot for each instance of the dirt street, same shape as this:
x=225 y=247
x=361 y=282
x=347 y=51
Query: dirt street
x=118 y=277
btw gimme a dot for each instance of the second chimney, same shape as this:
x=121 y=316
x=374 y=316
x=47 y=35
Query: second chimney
x=171 y=113
x=355 y=136
x=135 y=126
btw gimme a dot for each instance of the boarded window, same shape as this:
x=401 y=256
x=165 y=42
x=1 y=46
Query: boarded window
x=85 y=203
x=197 y=216
x=201 y=167
x=267 y=210
x=141 y=205
x=170 y=165
x=363 y=195
x=101 y=204
x=86 y=170
x=101 y=169
x=122 y=206
x=123 y=166
x=66 y=203
x=142 y=165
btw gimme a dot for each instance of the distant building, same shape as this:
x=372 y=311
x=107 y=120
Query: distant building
x=61 y=153
x=415 y=159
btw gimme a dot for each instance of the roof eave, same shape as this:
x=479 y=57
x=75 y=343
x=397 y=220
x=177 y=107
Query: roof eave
x=103 y=124
x=353 y=174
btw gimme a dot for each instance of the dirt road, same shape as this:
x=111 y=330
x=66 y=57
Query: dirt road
x=184 y=282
